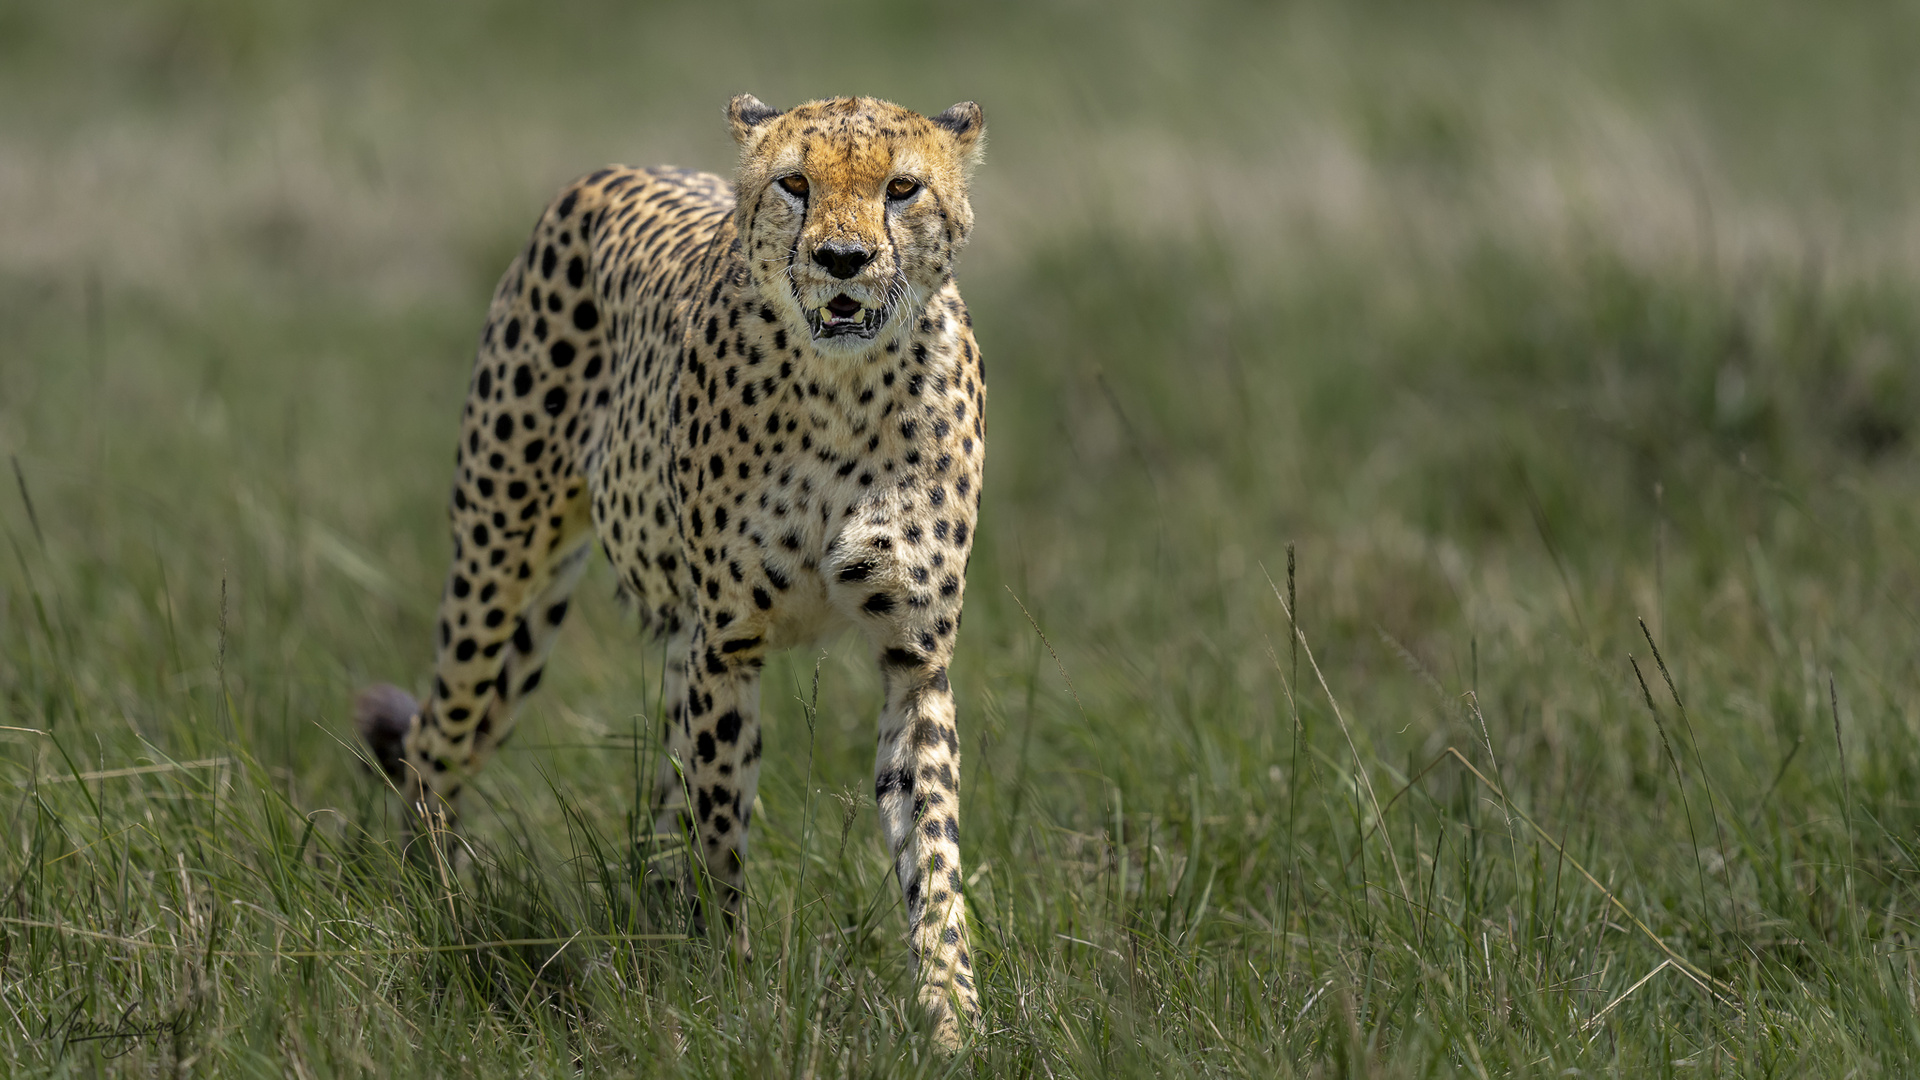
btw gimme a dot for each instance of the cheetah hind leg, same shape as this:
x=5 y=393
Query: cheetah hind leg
x=385 y=716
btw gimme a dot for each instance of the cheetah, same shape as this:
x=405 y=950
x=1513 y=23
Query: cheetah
x=764 y=398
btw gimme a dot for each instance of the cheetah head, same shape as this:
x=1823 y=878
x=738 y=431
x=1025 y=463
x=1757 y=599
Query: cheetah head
x=851 y=211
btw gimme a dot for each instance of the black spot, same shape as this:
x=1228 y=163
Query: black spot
x=464 y=651
x=547 y=262
x=556 y=400
x=503 y=428
x=728 y=726
x=535 y=449
x=878 y=604
x=561 y=353
x=522 y=380
x=576 y=271
x=705 y=748
x=585 y=315
x=891 y=781
x=533 y=680
x=486 y=383
x=513 y=333
x=761 y=599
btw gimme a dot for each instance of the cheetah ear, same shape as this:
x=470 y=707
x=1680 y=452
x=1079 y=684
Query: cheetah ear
x=746 y=114
x=968 y=126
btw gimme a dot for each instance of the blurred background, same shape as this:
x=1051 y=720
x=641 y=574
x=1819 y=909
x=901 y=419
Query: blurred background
x=1519 y=321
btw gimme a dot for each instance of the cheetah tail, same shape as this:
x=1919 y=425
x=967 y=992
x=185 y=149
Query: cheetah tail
x=383 y=714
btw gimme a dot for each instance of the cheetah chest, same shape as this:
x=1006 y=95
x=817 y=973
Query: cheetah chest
x=783 y=494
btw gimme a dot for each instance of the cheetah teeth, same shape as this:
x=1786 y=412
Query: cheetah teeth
x=863 y=322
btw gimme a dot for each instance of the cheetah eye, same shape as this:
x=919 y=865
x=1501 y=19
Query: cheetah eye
x=795 y=183
x=902 y=187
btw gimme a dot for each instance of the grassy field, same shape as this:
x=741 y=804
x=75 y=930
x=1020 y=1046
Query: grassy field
x=1554 y=370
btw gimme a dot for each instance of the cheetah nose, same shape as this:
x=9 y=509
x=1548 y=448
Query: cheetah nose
x=842 y=262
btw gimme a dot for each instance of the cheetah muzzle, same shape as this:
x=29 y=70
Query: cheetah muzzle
x=764 y=400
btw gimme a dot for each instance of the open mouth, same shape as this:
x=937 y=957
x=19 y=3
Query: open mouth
x=843 y=316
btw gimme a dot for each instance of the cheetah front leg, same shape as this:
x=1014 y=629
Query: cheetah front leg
x=917 y=788
x=711 y=774
x=907 y=597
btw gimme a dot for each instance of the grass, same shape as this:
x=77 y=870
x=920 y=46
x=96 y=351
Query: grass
x=1551 y=370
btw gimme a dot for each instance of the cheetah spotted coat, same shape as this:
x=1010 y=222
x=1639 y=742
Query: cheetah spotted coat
x=764 y=400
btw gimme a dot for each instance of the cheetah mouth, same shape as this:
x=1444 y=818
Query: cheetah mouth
x=843 y=316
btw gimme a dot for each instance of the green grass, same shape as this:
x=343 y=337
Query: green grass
x=1510 y=329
